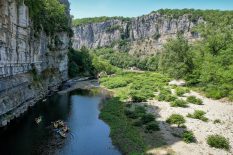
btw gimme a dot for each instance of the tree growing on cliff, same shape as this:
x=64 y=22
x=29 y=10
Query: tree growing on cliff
x=48 y=15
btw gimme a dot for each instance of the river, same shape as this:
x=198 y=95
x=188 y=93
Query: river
x=80 y=109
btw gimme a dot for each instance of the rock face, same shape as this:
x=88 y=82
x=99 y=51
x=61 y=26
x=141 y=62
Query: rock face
x=153 y=28
x=28 y=69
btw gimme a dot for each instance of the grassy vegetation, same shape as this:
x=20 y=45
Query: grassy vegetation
x=218 y=141
x=179 y=103
x=180 y=91
x=123 y=133
x=137 y=86
x=217 y=121
x=188 y=137
x=194 y=100
x=176 y=119
x=198 y=114
x=83 y=21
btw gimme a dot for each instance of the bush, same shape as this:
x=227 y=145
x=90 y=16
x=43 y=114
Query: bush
x=140 y=110
x=180 y=91
x=131 y=114
x=138 y=123
x=214 y=93
x=179 y=103
x=194 y=100
x=188 y=136
x=176 y=119
x=147 y=118
x=141 y=95
x=217 y=121
x=152 y=126
x=166 y=97
x=218 y=141
x=198 y=114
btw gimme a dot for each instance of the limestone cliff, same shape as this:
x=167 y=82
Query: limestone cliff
x=145 y=33
x=28 y=68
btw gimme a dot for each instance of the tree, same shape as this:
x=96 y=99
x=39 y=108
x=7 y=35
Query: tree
x=176 y=58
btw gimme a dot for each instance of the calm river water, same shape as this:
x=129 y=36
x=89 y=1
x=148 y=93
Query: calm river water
x=79 y=109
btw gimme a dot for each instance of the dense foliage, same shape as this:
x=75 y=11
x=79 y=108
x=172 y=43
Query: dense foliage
x=48 y=15
x=84 y=63
x=83 y=21
x=218 y=141
x=125 y=60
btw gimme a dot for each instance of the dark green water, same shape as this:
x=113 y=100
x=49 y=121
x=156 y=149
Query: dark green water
x=80 y=110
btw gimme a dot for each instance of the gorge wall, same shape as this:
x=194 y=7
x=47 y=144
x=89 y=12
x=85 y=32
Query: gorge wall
x=145 y=34
x=29 y=70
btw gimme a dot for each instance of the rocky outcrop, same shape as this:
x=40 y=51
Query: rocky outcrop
x=28 y=68
x=153 y=28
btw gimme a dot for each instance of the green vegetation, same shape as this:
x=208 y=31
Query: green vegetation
x=49 y=16
x=137 y=86
x=198 y=114
x=176 y=119
x=180 y=91
x=217 y=121
x=218 y=141
x=125 y=60
x=188 y=137
x=147 y=118
x=176 y=58
x=84 y=63
x=124 y=134
x=194 y=100
x=83 y=21
x=179 y=103
x=152 y=126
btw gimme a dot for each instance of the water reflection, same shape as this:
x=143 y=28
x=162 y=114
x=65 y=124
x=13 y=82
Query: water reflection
x=80 y=109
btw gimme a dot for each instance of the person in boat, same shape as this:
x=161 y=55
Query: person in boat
x=62 y=134
x=38 y=120
x=61 y=123
x=55 y=125
x=65 y=129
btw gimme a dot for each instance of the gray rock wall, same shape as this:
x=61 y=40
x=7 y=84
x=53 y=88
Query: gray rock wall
x=20 y=53
x=137 y=29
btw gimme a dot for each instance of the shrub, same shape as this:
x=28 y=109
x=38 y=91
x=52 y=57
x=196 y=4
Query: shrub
x=180 y=91
x=198 y=114
x=179 y=103
x=152 y=126
x=213 y=93
x=218 y=141
x=176 y=119
x=131 y=114
x=217 y=121
x=194 y=100
x=138 y=123
x=147 y=118
x=141 y=95
x=138 y=98
x=166 y=97
x=188 y=136
x=140 y=110
x=231 y=95
x=161 y=97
